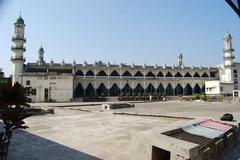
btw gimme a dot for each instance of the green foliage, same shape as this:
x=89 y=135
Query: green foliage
x=145 y=94
x=203 y=97
x=209 y=98
x=13 y=100
x=196 y=96
x=159 y=94
x=134 y=94
x=102 y=95
x=127 y=94
x=219 y=98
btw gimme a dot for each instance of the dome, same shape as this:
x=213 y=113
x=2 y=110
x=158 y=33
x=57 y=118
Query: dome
x=227 y=35
x=41 y=50
x=19 y=21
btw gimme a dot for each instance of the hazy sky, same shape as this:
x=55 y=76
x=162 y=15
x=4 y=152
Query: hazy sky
x=121 y=31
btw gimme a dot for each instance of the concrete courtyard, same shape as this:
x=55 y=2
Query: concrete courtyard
x=72 y=134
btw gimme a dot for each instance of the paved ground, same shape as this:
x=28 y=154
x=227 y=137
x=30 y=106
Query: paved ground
x=71 y=134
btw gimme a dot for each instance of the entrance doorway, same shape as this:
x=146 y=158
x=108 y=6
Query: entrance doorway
x=46 y=94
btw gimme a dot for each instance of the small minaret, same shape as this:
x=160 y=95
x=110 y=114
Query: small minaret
x=228 y=58
x=41 y=56
x=18 y=49
x=180 y=60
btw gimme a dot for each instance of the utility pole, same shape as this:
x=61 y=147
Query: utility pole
x=235 y=5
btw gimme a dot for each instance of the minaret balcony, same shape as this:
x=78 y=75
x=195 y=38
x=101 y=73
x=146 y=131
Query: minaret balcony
x=228 y=50
x=228 y=57
x=15 y=48
x=18 y=39
x=18 y=59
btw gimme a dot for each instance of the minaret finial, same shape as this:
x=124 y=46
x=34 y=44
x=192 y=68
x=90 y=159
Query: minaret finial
x=180 y=59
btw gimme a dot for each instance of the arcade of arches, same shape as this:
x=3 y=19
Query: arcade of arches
x=115 y=90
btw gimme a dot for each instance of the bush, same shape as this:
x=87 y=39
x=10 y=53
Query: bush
x=219 y=98
x=134 y=94
x=155 y=94
x=13 y=101
x=102 y=95
x=203 y=97
x=145 y=94
x=159 y=95
x=209 y=98
x=127 y=94
x=196 y=96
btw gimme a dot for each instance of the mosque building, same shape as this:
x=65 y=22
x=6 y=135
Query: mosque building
x=50 y=81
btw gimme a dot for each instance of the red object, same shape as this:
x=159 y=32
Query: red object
x=214 y=125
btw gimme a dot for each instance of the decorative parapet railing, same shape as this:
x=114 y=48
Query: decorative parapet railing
x=15 y=58
x=90 y=77
x=35 y=73
x=127 y=77
x=17 y=38
x=15 y=48
x=114 y=77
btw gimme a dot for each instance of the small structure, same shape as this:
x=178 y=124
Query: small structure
x=117 y=106
x=236 y=94
x=219 y=88
x=201 y=140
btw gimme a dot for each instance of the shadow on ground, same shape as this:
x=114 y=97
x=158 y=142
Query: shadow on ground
x=27 y=146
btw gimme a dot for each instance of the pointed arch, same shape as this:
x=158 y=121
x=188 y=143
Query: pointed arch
x=196 y=75
x=197 y=89
x=178 y=74
x=138 y=74
x=90 y=91
x=160 y=74
x=188 y=90
x=205 y=74
x=102 y=90
x=139 y=89
x=90 y=73
x=79 y=73
x=127 y=73
x=101 y=73
x=114 y=73
x=150 y=88
x=187 y=75
x=169 y=90
x=79 y=91
x=160 y=89
x=127 y=89
x=169 y=74
x=150 y=74
x=213 y=74
x=178 y=90
x=114 y=90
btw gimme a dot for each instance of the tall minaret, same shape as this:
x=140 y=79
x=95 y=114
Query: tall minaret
x=228 y=58
x=180 y=60
x=18 y=49
x=41 y=56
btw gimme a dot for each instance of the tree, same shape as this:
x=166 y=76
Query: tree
x=13 y=101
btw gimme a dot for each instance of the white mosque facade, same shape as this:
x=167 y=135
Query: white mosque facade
x=67 y=81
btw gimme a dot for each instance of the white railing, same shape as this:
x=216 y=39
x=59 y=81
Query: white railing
x=127 y=77
x=90 y=77
x=35 y=73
